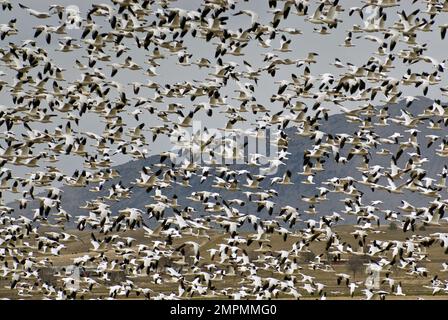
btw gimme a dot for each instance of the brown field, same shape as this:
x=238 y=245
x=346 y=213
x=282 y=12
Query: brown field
x=413 y=286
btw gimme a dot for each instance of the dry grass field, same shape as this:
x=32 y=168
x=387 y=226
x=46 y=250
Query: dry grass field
x=413 y=286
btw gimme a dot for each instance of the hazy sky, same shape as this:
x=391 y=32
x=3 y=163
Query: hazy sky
x=169 y=72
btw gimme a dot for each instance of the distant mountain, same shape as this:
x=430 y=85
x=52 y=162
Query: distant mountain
x=290 y=194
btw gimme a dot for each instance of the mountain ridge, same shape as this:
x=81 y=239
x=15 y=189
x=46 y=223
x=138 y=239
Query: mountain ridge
x=73 y=198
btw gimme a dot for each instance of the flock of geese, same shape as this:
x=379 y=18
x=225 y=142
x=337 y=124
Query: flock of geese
x=179 y=256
